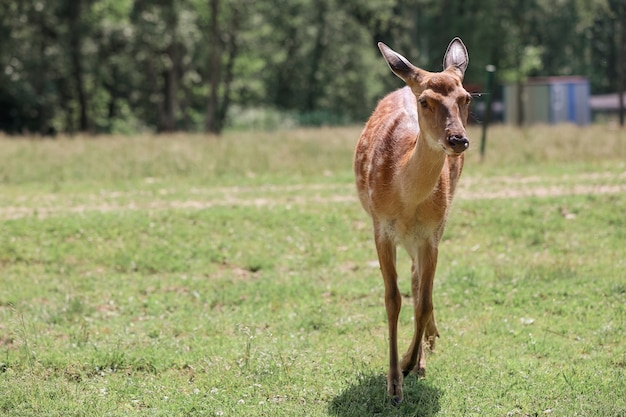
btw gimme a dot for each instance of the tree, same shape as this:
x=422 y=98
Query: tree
x=75 y=34
x=165 y=65
x=160 y=51
x=224 y=29
x=622 y=62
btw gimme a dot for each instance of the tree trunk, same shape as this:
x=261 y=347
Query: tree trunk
x=154 y=79
x=39 y=82
x=316 y=58
x=113 y=95
x=171 y=74
x=233 y=49
x=170 y=87
x=215 y=64
x=74 y=10
x=622 y=63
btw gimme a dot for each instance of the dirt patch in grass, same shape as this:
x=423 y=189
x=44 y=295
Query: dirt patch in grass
x=48 y=205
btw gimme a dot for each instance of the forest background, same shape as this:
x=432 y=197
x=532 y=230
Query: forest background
x=129 y=66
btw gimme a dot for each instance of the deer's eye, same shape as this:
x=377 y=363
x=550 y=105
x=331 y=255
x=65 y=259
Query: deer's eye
x=468 y=100
x=423 y=102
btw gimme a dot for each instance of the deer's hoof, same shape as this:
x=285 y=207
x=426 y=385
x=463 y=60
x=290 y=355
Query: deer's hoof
x=394 y=389
x=396 y=401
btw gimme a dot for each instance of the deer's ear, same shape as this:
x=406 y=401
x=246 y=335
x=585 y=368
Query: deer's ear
x=456 y=57
x=399 y=64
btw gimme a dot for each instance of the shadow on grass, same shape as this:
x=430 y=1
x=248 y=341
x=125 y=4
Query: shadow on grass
x=368 y=397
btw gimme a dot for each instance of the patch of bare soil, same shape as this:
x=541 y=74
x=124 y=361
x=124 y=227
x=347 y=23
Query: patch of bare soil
x=305 y=194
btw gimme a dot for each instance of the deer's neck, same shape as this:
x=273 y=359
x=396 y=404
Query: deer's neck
x=421 y=172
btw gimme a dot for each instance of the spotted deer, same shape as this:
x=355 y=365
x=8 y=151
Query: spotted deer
x=407 y=163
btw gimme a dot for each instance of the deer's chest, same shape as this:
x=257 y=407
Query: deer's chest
x=424 y=223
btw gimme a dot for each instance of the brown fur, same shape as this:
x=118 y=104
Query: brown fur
x=406 y=173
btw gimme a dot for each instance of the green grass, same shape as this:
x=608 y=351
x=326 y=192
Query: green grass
x=194 y=276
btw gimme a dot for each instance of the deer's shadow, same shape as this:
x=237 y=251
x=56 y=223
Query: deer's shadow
x=367 y=396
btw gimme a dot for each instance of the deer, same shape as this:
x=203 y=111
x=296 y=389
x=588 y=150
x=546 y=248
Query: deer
x=407 y=163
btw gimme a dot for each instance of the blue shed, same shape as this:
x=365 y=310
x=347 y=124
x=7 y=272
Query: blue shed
x=549 y=100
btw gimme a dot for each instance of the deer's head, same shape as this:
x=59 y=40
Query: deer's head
x=442 y=102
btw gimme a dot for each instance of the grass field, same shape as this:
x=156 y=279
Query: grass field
x=193 y=276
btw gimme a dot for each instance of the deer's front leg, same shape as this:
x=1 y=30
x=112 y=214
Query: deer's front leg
x=393 y=301
x=422 y=288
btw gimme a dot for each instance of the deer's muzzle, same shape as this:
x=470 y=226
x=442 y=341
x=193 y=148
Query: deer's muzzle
x=458 y=143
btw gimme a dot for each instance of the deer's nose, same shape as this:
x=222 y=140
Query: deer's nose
x=458 y=143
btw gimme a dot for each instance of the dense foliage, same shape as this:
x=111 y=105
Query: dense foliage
x=166 y=65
